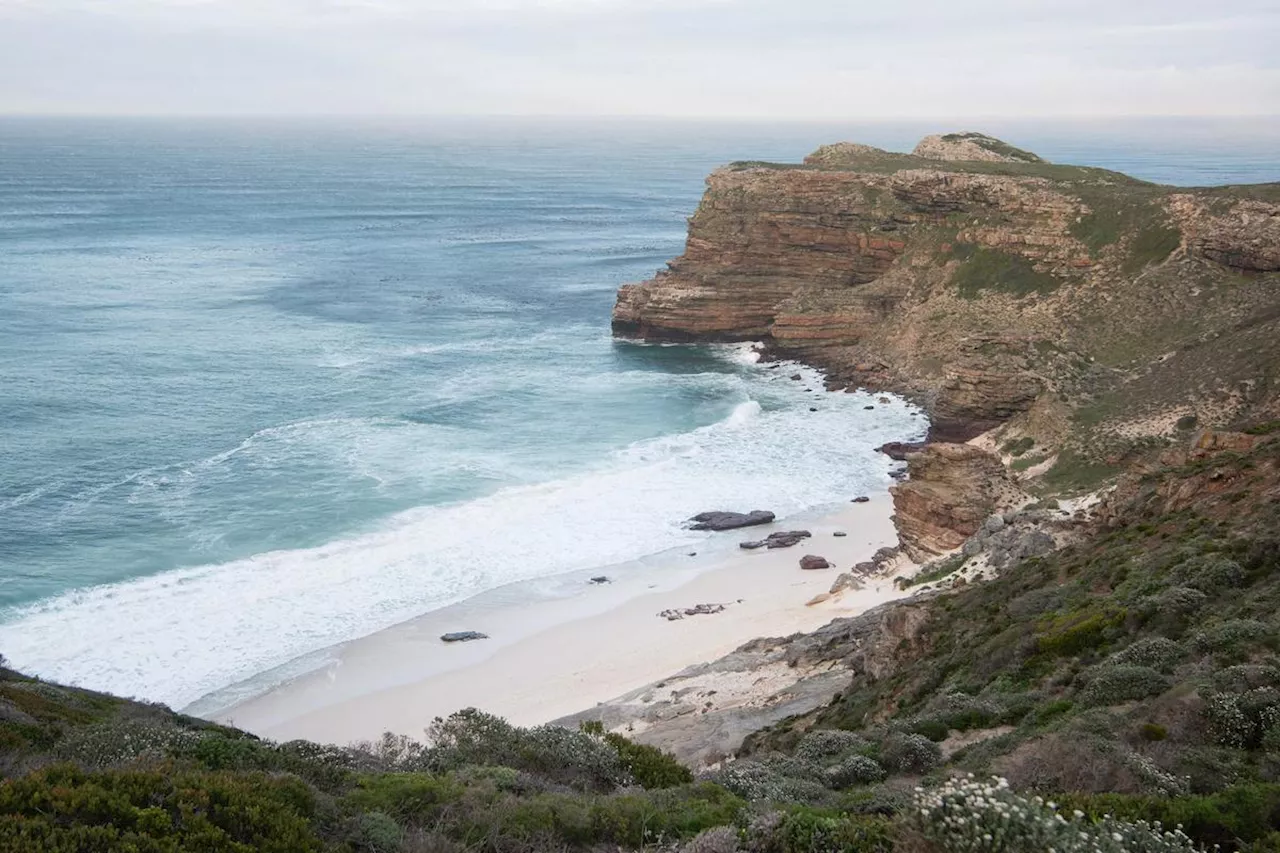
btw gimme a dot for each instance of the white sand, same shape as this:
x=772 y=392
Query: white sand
x=550 y=658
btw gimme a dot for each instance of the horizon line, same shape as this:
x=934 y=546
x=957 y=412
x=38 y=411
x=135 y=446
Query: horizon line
x=640 y=117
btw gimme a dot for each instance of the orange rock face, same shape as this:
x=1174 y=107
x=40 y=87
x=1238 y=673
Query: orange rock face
x=952 y=490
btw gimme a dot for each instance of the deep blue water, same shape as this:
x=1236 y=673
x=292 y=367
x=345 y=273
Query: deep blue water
x=265 y=387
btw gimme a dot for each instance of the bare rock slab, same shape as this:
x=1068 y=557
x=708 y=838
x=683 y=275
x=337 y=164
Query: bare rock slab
x=730 y=520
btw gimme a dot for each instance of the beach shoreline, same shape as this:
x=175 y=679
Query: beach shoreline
x=558 y=655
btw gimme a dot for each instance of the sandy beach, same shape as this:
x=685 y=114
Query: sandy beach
x=557 y=656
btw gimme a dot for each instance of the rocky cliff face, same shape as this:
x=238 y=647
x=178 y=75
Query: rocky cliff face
x=952 y=490
x=994 y=287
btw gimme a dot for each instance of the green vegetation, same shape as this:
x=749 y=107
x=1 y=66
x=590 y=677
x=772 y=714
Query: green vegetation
x=1018 y=446
x=996 y=146
x=1114 y=215
x=982 y=269
x=1073 y=472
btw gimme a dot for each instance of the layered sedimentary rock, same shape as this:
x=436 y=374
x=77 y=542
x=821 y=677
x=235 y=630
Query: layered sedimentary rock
x=952 y=490
x=986 y=283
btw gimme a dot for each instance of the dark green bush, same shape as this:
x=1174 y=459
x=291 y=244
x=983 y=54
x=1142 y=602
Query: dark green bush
x=648 y=765
x=63 y=808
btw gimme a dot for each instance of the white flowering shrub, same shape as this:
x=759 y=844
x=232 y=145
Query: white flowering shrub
x=966 y=815
x=1243 y=720
x=115 y=743
x=909 y=753
x=562 y=755
x=1111 y=684
x=721 y=839
x=1159 y=653
x=824 y=745
x=854 y=770
x=753 y=780
x=1231 y=635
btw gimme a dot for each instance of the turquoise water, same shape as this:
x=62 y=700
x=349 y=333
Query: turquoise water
x=268 y=387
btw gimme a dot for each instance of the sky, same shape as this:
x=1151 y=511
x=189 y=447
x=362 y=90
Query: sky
x=778 y=59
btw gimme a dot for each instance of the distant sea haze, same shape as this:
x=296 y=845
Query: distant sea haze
x=267 y=387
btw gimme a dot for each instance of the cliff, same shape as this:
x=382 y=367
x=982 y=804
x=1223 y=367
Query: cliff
x=1086 y=310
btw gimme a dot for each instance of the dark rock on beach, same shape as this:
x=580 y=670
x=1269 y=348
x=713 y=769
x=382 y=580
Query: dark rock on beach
x=463 y=636
x=601 y=579
x=730 y=520
x=809 y=562
x=781 y=539
x=862 y=499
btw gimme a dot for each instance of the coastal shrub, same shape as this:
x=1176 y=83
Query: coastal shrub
x=1243 y=720
x=1242 y=813
x=564 y=756
x=415 y=798
x=909 y=753
x=755 y=781
x=721 y=839
x=64 y=808
x=1231 y=637
x=377 y=833
x=1159 y=653
x=1018 y=446
x=987 y=817
x=1209 y=573
x=648 y=765
x=824 y=744
x=1111 y=684
x=808 y=831
x=1243 y=677
x=1074 y=633
x=854 y=770
x=1153 y=732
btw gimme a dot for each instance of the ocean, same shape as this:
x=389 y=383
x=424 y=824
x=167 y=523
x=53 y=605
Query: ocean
x=269 y=386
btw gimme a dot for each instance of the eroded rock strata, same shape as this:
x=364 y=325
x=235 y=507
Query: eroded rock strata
x=991 y=286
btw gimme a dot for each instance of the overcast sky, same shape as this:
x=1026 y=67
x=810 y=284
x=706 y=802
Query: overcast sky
x=732 y=58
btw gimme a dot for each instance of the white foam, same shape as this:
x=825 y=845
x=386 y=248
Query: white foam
x=177 y=636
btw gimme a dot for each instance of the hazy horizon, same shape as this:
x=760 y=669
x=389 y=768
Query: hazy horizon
x=806 y=60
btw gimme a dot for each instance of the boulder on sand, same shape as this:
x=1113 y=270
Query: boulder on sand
x=810 y=562
x=463 y=636
x=730 y=520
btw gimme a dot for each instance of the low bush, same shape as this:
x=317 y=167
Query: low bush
x=1111 y=684
x=909 y=753
x=987 y=817
x=854 y=770
x=1159 y=653
x=64 y=809
x=1243 y=720
x=826 y=744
